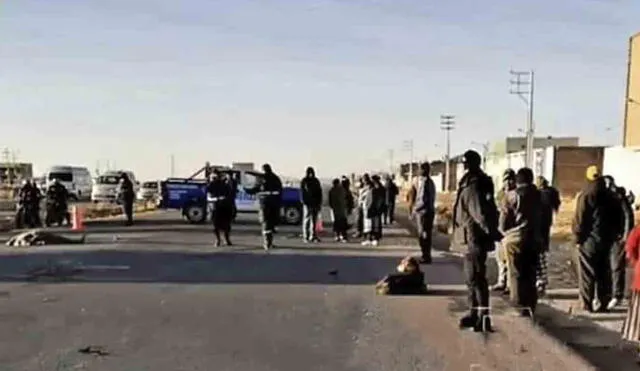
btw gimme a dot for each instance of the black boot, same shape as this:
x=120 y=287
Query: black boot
x=468 y=321
x=483 y=324
x=227 y=238
x=217 y=234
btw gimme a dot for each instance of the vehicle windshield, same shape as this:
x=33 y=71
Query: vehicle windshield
x=107 y=179
x=63 y=177
x=152 y=185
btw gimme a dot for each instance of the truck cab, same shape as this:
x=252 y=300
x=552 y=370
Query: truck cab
x=189 y=196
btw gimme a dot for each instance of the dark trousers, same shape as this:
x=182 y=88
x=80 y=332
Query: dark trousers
x=424 y=224
x=390 y=212
x=475 y=272
x=522 y=261
x=618 y=269
x=127 y=207
x=594 y=272
x=360 y=221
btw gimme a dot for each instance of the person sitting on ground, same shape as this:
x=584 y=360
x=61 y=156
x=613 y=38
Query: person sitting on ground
x=409 y=280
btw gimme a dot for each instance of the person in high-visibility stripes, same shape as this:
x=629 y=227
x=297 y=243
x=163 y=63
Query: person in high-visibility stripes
x=219 y=196
x=269 y=190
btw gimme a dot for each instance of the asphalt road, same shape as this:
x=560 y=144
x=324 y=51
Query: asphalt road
x=166 y=299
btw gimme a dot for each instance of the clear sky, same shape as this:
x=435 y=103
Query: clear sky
x=333 y=83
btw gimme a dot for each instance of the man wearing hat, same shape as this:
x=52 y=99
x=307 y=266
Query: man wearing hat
x=595 y=229
x=508 y=184
x=475 y=228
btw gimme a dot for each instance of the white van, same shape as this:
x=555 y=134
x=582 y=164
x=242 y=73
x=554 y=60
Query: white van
x=76 y=179
x=105 y=186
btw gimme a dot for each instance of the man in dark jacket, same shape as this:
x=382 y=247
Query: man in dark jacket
x=596 y=226
x=617 y=259
x=311 y=191
x=269 y=192
x=378 y=207
x=475 y=228
x=391 y=192
x=520 y=224
x=350 y=200
x=219 y=198
x=424 y=210
x=127 y=195
x=550 y=204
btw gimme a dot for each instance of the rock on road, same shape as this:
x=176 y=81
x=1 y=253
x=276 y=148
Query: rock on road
x=178 y=303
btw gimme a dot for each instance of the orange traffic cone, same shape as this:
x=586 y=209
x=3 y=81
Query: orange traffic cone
x=319 y=224
x=76 y=218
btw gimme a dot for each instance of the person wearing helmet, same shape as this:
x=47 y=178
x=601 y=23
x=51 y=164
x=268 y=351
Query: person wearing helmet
x=596 y=227
x=475 y=229
x=269 y=192
x=57 y=205
x=508 y=184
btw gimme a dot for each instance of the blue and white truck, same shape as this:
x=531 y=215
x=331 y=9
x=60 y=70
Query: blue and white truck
x=189 y=196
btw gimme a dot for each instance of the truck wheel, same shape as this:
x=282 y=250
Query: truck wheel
x=195 y=214
x=292 y=215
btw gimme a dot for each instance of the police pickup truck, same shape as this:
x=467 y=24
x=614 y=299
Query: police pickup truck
x=189 y=196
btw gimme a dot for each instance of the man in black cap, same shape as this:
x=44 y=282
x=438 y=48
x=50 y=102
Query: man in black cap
x=475 y=228
x=424 y=210
x=268 y=189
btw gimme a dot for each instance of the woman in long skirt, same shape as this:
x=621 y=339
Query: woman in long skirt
x=631 y=326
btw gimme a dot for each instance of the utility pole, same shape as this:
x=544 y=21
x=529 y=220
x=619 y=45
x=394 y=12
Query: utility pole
x=408 y=145
x=447 y=124
x=391 y=162
x=523 y=87
x=173 y=165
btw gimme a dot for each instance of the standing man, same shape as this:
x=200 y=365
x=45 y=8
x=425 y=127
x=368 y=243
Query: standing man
x=338 y=205
x=269 y=190
x=508 y=185
x=360 y=212
x=311 y=190
x=232 y=181
x=350 y=201
x=126 y=195
x=424 y=211
x=550 y=204
x=520 y=223
x=617 y=259
x=475 y=228
x=219 y=196
x=391 y=192
x=596 y=227
x=379 y=206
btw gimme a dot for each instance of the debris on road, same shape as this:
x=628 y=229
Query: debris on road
x=95 y=350
x=333 y=272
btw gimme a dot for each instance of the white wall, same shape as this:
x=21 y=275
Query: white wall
x=620 y=163
x=543 y=164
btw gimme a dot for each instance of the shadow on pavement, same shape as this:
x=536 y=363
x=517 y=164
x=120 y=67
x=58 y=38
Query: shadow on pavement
x=600 y=346
x=232 y=267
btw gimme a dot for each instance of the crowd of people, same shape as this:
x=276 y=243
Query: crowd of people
x=517 y=222
x=56 y=196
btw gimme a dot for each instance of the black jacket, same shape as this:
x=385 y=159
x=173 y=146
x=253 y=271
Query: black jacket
x=391 y=192
x=475 y=214
x=57 y=193
x=550 y=203
x=598 y=214
x=220 y=192
x=269 y=191
x=311 y=190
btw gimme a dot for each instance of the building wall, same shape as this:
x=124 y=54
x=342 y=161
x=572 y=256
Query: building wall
x=631 y=136
x=517 y=144
x=616 y=163
x=569 y=172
